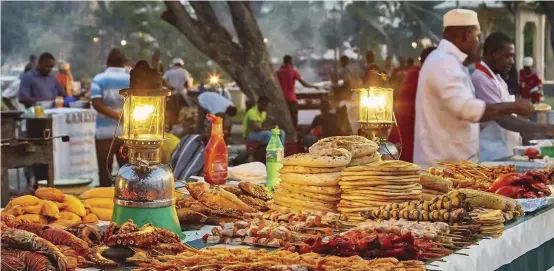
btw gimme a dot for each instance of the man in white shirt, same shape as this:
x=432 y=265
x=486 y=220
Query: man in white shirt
x=497 y=139
x=447 y=112
x=214 y=103
x=177 y=78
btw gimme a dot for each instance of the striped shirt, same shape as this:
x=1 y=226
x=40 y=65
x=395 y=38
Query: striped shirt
x=106 y=86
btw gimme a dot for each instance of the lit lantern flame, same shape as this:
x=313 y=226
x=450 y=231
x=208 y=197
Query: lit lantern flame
x=142 y=112
x=375 y=104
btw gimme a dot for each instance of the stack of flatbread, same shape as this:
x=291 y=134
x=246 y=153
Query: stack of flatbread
x=310 y=182
x=368 y=186
x=363 y=150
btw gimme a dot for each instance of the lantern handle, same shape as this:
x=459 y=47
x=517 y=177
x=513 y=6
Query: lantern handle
x=125 y=96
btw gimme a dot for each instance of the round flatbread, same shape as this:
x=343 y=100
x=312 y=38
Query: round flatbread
x=363 y=183
x=375 y=173
x=380 y=197
x=281 y=199
x=387 y=166
x=365 y=160
x=327 y=190
x=385 y=186
x=318 y=179
x=386 y=189
x=307 y=196
x=382 y=193
x=432 y=192
x=329 y=158
x=407 y=178
x=357 y=145
x=309 y=170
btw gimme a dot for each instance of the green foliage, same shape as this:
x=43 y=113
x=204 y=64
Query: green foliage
x=139 y=24
x=36 y=27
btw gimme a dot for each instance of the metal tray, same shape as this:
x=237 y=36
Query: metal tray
x=521 y=166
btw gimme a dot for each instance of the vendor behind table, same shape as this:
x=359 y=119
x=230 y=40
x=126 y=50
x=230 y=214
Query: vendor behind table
x=447 y=111
x=497 y=139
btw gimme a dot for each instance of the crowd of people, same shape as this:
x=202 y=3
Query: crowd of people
x=472 y=115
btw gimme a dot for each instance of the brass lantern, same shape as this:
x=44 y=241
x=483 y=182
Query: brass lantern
x=375 y=113
x=144 y=188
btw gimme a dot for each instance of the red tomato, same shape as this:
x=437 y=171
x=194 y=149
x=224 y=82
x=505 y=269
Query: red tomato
x=532 y=153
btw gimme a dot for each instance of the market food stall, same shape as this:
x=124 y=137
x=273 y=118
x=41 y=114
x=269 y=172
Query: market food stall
x=341 y=206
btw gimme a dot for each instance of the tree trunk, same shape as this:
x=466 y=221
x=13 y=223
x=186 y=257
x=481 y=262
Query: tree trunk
x=244 y=58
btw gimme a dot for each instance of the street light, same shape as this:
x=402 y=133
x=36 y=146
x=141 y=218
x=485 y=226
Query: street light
x=414 y=44
x=265 y=40
x=96 y=39
x=123 y=42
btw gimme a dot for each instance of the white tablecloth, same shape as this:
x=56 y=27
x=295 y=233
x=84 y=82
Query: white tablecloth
x=491 y=254
x=76 y=158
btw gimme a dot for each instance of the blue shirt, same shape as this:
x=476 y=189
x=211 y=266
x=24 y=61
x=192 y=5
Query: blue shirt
x=35 y=85
x=106 y=86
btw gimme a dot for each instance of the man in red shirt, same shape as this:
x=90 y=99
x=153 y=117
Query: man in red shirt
x=404 y=110
x=530 y=84
x=287 y=77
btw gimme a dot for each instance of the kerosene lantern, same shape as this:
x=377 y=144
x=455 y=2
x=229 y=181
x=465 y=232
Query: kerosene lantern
x=144 y=188
x=375 y=113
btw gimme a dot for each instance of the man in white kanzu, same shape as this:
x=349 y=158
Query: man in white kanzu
x=447 y=112
x=497 y=139
x=177 y=78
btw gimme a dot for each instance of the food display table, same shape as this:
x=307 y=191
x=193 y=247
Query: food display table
x=526 y=244
x=76 y=158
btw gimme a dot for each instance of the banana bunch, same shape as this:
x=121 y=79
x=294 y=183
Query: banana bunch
x=49 y=206
x=100 y=201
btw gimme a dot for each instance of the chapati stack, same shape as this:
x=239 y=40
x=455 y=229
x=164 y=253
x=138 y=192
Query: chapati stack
x=310 y=182
x=363 y=150
x=377 y=184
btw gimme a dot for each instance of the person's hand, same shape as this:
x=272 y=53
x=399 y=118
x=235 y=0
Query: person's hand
x=523 y=107
x=549 y=130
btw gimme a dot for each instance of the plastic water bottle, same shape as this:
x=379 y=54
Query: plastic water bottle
x=273 y=159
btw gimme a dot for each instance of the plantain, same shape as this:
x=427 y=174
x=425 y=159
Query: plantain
x=99 y=192
x=106 y=203
x=102 y=213
x=50 y=209
x=50 y=193
x=90 y=218
x=74 y=205
x=23 y=201
x=66 y=215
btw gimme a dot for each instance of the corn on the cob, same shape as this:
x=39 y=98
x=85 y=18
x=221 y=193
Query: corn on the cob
x=488 y=200
x=433 y=182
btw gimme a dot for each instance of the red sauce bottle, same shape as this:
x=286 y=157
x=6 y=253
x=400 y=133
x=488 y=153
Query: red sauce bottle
x=215 y=154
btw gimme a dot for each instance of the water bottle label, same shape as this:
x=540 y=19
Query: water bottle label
x=274 y=156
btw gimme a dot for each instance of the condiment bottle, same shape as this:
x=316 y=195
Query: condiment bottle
x=273 y=161
x=215 y=154
x=59 y=101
